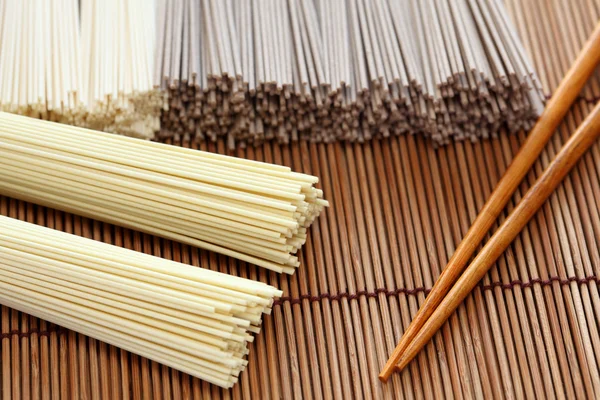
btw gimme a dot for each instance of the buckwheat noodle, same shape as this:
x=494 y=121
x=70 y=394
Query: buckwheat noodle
x=328 y=70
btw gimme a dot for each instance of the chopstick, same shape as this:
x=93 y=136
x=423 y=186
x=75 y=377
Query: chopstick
x=556 y=109
x=535 y=197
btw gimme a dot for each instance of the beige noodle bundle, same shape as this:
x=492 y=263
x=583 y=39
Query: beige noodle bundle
x=192 y=319
x=253 y=211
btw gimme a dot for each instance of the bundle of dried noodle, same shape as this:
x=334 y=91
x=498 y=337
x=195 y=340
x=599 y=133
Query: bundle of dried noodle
x=253 y=211
x=89 y=67
x=195 y=320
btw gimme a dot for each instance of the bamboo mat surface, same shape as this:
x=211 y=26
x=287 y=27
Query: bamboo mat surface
x=399 y=207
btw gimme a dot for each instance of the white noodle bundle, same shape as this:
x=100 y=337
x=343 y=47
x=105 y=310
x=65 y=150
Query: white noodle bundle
x=117 y=47
x=88 y=67
x=192 y=319
x=40 y=66
x=253 y=211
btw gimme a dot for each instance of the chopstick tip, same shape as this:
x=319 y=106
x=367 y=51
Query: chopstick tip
x=382 y=377
x=387 y=371
x=401 y=364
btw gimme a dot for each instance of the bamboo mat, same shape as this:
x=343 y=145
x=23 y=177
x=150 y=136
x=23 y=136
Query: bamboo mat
x=399 y=206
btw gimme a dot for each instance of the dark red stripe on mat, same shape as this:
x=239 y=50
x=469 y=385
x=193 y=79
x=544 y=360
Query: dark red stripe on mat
x=408 y=291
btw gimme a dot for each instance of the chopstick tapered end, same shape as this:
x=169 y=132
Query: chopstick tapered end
x=384 y=375
x=387 y=371
x=390 y=368
x=404 y=361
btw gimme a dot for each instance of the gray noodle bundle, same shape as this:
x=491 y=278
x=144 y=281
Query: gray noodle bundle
x=341 y=69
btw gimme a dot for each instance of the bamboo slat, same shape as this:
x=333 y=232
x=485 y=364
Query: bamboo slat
x=399 y=208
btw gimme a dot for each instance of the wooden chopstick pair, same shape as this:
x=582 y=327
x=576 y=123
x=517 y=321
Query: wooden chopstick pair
x=451 y=288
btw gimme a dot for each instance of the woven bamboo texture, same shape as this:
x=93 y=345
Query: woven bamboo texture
x=399 y=206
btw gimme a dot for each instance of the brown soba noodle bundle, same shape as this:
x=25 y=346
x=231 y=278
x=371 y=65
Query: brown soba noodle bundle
x=341 y=69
